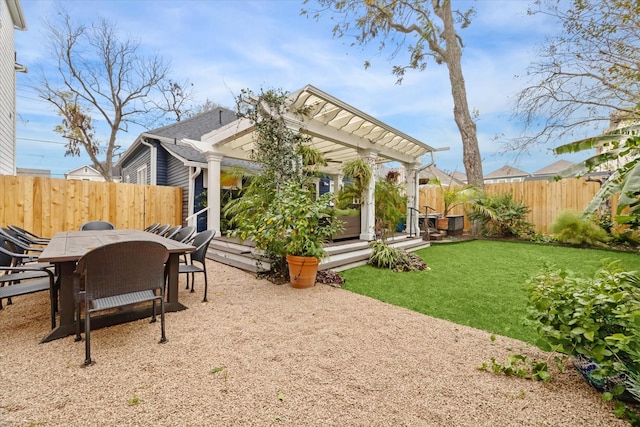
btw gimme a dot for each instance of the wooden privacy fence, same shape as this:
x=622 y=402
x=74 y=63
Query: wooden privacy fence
x=545 y=199
x=46 y=206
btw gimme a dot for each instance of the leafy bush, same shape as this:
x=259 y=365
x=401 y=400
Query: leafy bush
x=595 y=317
x=570 y=227
x=501 y=215
x=391 y=207
x=385 y=256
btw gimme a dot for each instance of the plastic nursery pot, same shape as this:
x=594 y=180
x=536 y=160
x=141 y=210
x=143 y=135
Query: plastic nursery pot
x=302 y=271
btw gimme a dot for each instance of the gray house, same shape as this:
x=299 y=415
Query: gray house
x=158 y=157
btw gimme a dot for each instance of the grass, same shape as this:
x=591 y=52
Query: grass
x=478 y=283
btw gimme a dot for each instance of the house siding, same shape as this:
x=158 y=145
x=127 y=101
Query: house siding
x=7 y=92
x=162 y=168
x=142 y=157
x=177 y=175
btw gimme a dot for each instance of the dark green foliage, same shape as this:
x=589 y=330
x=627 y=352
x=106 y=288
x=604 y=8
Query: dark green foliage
x=391 y=207
x=385 y=256
x=597 y=317
x=279 y=210
x=501 y=216
x=570 y=227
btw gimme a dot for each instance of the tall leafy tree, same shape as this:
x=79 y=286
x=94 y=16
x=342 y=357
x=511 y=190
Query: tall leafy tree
x=586 y=76
x=429 y=29
x=101 y=77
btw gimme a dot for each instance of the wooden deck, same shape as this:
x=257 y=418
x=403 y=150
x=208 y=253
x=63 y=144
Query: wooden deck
x=342 y=254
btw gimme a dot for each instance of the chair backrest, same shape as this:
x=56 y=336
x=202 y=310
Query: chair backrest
x=184 y=234
x=14 y=236
x=123 y=267
x=6 y=257
x=13 y=242
x=162 y=229
x=201 y=242
x=26 y=233
x=152 y=227
x=97 y=225
x=172 y=231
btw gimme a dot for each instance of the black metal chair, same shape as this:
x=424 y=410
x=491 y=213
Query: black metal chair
x=184 y=234
x=171 y=232
x=34 y=239
x=25 y=279
x=22 y=252
x=162 y=229
x=152 y=227
x=201 y=242
x=97 y=225
x=116 y=275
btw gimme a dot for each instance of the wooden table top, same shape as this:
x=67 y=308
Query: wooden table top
x=72 y=245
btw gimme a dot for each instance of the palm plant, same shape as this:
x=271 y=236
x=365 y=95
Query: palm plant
x=621 y=144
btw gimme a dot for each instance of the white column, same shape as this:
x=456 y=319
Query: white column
x=413 y=196
x=337 y=183
x=214 y=161
x=367 y=214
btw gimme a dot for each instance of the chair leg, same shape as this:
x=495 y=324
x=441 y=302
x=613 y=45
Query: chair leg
x=205 y=283
x=78 y=336
x=153 y=312
x=87 y=338
x=193 y=279
x=163 y=338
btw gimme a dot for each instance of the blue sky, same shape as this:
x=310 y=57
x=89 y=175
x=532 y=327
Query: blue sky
x=223 y=46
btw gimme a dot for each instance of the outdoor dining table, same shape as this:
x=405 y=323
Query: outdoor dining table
x=66 y=248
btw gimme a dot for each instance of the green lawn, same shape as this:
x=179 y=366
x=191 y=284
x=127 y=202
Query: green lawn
x=479 y=283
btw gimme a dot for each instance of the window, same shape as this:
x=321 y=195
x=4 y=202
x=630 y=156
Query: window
x=142 y=175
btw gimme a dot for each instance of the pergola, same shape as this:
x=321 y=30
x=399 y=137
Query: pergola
x=339 y=131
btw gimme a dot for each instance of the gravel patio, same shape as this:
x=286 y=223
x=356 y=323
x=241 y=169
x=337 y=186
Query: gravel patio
x=270 y=355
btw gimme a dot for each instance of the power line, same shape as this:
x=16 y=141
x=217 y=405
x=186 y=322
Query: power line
x=42 y=140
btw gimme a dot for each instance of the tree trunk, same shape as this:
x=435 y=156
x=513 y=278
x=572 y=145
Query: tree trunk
x=467 y=127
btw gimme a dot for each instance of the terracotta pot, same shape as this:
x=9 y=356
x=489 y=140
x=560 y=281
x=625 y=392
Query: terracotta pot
x=442 y=223
x=302 y=271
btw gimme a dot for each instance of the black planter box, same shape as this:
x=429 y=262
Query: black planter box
x=456 y=225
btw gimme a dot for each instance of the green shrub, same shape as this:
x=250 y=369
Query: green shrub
x=501 y=215
x=385 y=256
x=596 y=317
x=570 y=227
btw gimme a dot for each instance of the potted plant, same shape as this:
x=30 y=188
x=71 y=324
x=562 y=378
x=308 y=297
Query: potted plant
x=303 y=224
x=453 y=196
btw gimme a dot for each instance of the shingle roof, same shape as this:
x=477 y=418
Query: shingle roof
x=554 y=168
x=506 y=172
x=196 y=126
x=445 y=178
x=192 y=155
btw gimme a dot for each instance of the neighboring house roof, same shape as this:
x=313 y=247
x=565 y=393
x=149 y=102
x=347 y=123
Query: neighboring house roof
x=506 y=172
x=85 y=171
x=33 y=172
x=428 y=174
x=554 y=168
x=459 y=176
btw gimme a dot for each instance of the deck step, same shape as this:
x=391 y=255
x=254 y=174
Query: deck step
x=341 y=255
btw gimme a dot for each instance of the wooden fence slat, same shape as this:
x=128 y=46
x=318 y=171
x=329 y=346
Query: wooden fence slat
x=49 y=205
x=545 y=199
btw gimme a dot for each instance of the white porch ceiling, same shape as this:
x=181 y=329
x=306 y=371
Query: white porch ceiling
x=338 y=130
